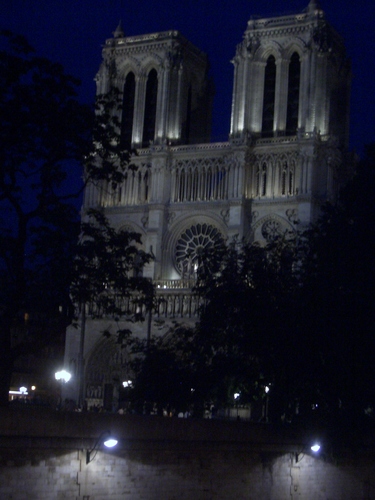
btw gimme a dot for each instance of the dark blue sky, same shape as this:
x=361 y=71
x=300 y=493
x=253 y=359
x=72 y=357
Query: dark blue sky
x=72 y=32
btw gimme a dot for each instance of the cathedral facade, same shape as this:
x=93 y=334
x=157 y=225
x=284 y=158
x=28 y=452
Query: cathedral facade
x=284 y=157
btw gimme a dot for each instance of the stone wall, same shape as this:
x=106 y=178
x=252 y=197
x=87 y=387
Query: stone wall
x=43 y=456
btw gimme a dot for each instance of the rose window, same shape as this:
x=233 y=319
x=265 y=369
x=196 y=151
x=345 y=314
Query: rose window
x=271 y=230
x=192 y=244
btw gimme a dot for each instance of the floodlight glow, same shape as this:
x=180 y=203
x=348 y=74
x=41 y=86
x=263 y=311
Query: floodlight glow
x=23 y=390
x=236 y=395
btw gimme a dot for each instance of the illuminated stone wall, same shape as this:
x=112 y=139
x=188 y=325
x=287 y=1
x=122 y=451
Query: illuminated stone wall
x=43 y=455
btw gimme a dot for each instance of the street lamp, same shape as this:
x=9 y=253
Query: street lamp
x=104 y=438
x=315 y=448
x=63 y=376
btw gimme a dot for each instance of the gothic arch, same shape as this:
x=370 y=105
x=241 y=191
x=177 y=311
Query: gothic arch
x=268 y=228
x=132 y=227
x=130 y=65
x=291 y=48
x=271 y=48
x=152 y=61
x=107 y=366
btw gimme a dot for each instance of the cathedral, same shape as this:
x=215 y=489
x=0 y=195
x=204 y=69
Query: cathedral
x=285 y=156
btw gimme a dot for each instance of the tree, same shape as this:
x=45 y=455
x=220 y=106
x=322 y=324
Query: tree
x=246 y=322
x=48 y=143
x=107 y=278
x=108 y=267
x=44 y=135
x=237 y=344
x=338 y=297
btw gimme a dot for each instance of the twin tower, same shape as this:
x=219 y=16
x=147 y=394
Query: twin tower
x=286 y=146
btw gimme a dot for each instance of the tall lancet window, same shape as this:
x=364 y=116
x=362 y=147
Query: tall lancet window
x=293 y=95
x=264 y=180
x=283 y=178
x=269 y=97
x=128 y=110
x=150 y=108
x=185 y=135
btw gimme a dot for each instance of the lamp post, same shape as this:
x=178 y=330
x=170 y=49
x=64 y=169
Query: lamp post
x=315 y=447
x=105 y=438
x=63 y=377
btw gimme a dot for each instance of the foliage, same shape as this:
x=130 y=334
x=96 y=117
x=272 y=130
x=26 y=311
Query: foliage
x=297 y=315
x=44 y=134
x=108 y=268
x=235 y=346
x=47 y=139
x=162 y=375
x=338 y=296
x=108 y=160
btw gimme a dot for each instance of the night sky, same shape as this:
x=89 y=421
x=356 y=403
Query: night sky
x=72 y=32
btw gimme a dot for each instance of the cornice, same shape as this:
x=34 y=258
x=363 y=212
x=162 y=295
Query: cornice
x=152 y=41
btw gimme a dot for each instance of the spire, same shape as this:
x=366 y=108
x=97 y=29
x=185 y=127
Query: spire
x=313 y=6
x=119 y=32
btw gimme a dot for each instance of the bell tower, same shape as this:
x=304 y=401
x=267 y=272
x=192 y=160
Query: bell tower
x=291 y=76
x=166 y=93
x=290 y=106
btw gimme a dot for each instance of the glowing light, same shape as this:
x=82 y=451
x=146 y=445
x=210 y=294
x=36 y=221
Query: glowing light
x=236 y=395
x=127 y=383
x=63 y=375
x=315 y=447
x=23 y=390
x=18 y=393
x=110 y=442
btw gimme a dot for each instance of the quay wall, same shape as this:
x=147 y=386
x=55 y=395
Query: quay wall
x=43 y=455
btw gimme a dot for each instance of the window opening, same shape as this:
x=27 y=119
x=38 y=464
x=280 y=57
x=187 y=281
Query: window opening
x=269 y=97
x=293 y=95
x=150 y=108
x=128 y=110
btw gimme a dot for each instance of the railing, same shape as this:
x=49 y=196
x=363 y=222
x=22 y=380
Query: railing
x=177 y=305
x=174 y=299
x=184 y=284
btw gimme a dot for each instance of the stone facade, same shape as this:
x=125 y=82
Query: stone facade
x=285 y=153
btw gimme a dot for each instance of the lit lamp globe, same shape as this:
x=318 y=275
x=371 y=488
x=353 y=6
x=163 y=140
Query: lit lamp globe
x=110 y=442
x=63 y=376
x=315 y=447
